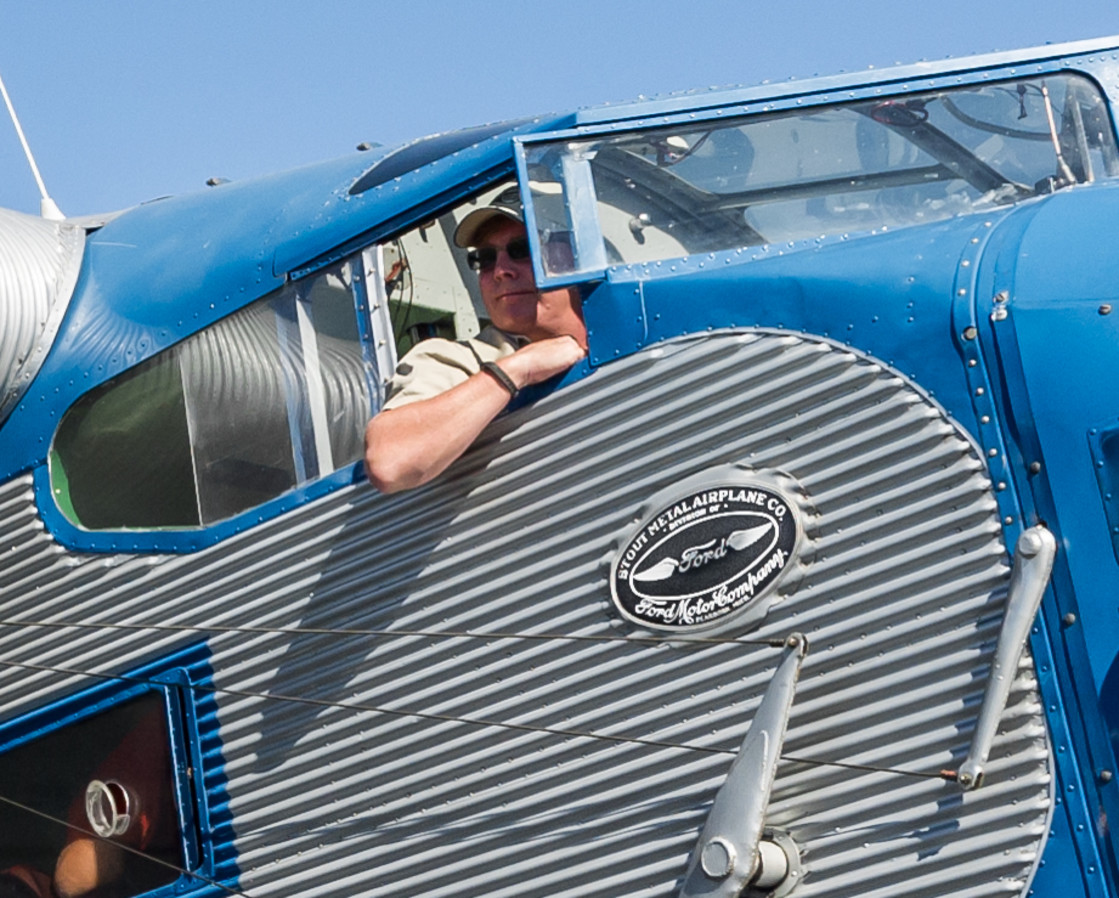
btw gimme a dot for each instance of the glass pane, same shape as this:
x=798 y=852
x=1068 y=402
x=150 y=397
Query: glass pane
x=122 y=757
x=122 y=453
x=889 y=162
x=236 y=377
x=346 y=378
x=263 y=401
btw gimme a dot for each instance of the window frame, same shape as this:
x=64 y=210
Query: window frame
x=175 y=678
x=370 y=325
x=584 y=208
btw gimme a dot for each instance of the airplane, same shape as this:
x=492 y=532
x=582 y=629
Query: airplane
x=802 y=583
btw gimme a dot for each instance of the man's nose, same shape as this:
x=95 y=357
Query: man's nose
x=505 y=266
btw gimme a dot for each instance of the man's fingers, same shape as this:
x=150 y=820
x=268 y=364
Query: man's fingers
x=543 y=359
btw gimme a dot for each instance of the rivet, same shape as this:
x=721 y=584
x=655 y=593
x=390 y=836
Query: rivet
x=971 y=363
x=1002 y=296
x=1105 y=776
x=992 y=452
x=979 y=391
x=1000 y=486
x=1008 y=520
x=1105 y=309
x=1069 y=619
x=717 y=858
x=1035 y=467
x=971 y=332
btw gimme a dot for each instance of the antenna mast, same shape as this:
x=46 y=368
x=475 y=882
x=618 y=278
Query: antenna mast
x=47 y=207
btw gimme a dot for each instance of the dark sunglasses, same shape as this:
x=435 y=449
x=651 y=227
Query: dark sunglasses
x=485 y=258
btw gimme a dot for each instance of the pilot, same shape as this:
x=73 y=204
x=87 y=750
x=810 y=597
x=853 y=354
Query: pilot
x=444 y=393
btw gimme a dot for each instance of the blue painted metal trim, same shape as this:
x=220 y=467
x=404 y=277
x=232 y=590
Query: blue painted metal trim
x=185 y=679
x=889 y=295
x=1103 y=441
x=186 y=540
x=374 y=377
x=424 y=208
x=397 y=203
x=994 y=367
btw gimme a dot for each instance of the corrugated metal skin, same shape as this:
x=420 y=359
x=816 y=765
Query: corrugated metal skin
x=39 y=263
x=900 y=593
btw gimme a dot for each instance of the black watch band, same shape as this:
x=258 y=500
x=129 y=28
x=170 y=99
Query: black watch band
x=494 y=371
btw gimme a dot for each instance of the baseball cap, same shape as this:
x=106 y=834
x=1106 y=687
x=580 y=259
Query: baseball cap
x=506 y=204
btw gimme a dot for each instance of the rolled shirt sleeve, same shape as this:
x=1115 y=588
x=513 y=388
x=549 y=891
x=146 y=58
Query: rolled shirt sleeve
x=434 y=366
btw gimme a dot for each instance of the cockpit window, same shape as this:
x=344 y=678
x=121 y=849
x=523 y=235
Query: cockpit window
x=260 y=403
x=676 y=190
x=268 y=399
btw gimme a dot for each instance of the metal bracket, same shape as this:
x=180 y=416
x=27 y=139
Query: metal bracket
x=1033 y=563
x=729 y=855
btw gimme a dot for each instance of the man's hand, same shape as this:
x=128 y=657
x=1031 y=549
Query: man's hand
x=536 y=362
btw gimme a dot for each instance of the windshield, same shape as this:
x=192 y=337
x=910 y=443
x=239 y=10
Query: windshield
x=889 y=162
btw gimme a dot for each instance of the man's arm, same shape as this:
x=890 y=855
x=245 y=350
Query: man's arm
x=406 y=447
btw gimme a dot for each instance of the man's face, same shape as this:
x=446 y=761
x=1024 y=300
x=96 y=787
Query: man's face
x=509 y=291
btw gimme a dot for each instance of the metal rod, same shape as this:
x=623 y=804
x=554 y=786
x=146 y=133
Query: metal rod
x=47 y=207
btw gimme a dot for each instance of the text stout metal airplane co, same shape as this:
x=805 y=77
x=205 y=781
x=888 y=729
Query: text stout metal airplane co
x=802 y=583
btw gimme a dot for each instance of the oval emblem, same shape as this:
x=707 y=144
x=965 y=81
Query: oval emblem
x=707 y=555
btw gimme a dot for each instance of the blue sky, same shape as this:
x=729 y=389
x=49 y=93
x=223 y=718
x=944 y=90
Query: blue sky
x=124 y=100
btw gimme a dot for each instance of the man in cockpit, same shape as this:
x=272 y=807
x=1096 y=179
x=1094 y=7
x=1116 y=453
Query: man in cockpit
x=444 y=393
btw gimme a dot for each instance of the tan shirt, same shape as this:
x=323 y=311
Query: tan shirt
x=434 y=366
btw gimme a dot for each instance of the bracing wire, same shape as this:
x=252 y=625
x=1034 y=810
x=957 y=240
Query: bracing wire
x=565 y=733
x=469 y=721
x=182 y=871
x=432 y=634
x=378 y=709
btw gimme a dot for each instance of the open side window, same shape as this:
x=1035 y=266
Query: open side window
x=262 y=402
x=702 y=186
x=426 y=283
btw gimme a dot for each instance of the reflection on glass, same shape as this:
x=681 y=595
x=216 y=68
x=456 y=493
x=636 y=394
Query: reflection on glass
x=889 y=162
x=270 y=398
x=111 y=771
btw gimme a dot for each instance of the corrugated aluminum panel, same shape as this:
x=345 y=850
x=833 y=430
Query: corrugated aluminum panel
x=426 y=763
x=39 y=262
